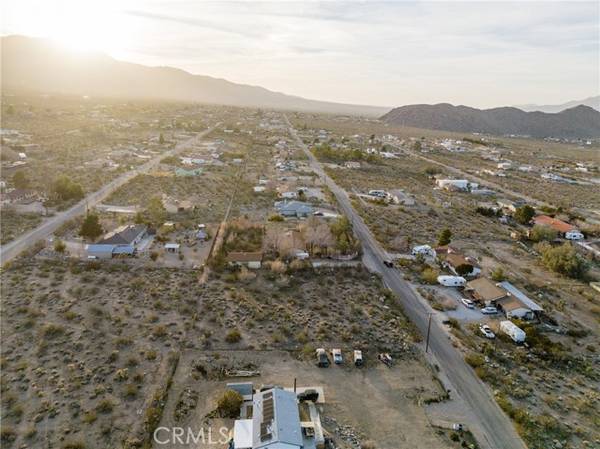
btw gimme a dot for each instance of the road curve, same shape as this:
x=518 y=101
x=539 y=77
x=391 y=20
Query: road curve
x=12 y=249
x=493 y=430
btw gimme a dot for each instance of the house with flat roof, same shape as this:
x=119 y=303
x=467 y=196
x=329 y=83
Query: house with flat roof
x=296 y=209
x=279 y=421
x=458 y=264
x=485 y=291
x=517 y=304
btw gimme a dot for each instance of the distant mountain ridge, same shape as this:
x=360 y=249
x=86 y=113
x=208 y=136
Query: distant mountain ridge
x=577 y=122
x=592 y=102
x=35 y=64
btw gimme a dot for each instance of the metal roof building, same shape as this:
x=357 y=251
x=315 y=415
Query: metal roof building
x=276 y=420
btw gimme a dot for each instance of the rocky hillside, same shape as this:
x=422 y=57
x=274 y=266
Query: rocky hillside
x=580 y=121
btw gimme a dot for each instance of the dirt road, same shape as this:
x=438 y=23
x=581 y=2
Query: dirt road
x=43 y=231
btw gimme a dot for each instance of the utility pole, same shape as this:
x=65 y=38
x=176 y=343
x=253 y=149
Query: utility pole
x=428 y=330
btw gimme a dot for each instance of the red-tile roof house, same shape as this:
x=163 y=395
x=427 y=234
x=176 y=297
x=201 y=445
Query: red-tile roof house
x=554 y=223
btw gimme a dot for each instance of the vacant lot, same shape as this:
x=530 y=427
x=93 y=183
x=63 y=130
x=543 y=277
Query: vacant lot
x=85 y=344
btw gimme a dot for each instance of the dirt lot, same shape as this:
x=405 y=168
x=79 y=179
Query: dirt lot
x=88 y=347
x=375 y=403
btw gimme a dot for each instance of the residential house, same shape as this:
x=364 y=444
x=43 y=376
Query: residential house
x=121 y=242
x=100 y=251
x=277 y=423
x=249 y=259
x=457 y=262
x=558 y=225
x=485 y=291
x=517 y=304
x=126 y=235
x=298 y=209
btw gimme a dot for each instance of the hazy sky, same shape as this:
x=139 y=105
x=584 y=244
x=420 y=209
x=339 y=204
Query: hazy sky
x=381 y=53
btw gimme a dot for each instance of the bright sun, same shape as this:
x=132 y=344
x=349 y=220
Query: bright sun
x=80 y=25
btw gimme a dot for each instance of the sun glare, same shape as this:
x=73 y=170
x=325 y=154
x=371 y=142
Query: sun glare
x=80 y=26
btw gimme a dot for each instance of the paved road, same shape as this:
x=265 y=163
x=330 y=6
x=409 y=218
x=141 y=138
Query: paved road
x=494 y=430
x=12 y=249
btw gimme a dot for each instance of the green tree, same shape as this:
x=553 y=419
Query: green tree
x=498 y=274
x=161 y=139
x=156 y=211
x=91 y=227
x=66 y=189
x=541 y=233
x=445 y=237
x=20 y=180
x=10 y=110
x=562 y=259
x=464 y=269
x=524 y=214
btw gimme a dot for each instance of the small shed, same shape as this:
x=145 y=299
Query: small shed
x=172 y=247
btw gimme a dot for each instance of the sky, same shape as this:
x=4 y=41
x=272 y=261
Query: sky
x=481 y=54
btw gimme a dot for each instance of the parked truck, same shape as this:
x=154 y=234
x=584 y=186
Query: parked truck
x=513 y=331
x=322 y=359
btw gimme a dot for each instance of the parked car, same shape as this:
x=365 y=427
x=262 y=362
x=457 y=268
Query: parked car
x=388 y=263
x=358 y=358
x=487 y=332
x=322 y=359
x=490 y=310
x=458 y=427
x=337 y=356
x=385 y=358
x=468 y=303
x=308 y=395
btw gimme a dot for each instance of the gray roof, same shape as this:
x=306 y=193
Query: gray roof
x=100 y=248
x=295 y=207
x=276 y=420
x=126 y=236
x=514 y=291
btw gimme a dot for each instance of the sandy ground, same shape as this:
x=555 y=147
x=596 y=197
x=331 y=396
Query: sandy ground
x=374 y=403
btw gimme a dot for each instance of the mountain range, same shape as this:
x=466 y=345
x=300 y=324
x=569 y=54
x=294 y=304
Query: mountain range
x=578 y=122
x=39 y=65
x=592 y=102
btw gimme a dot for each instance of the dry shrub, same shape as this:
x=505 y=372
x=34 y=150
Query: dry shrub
x=245 y=275
x=277 y=266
